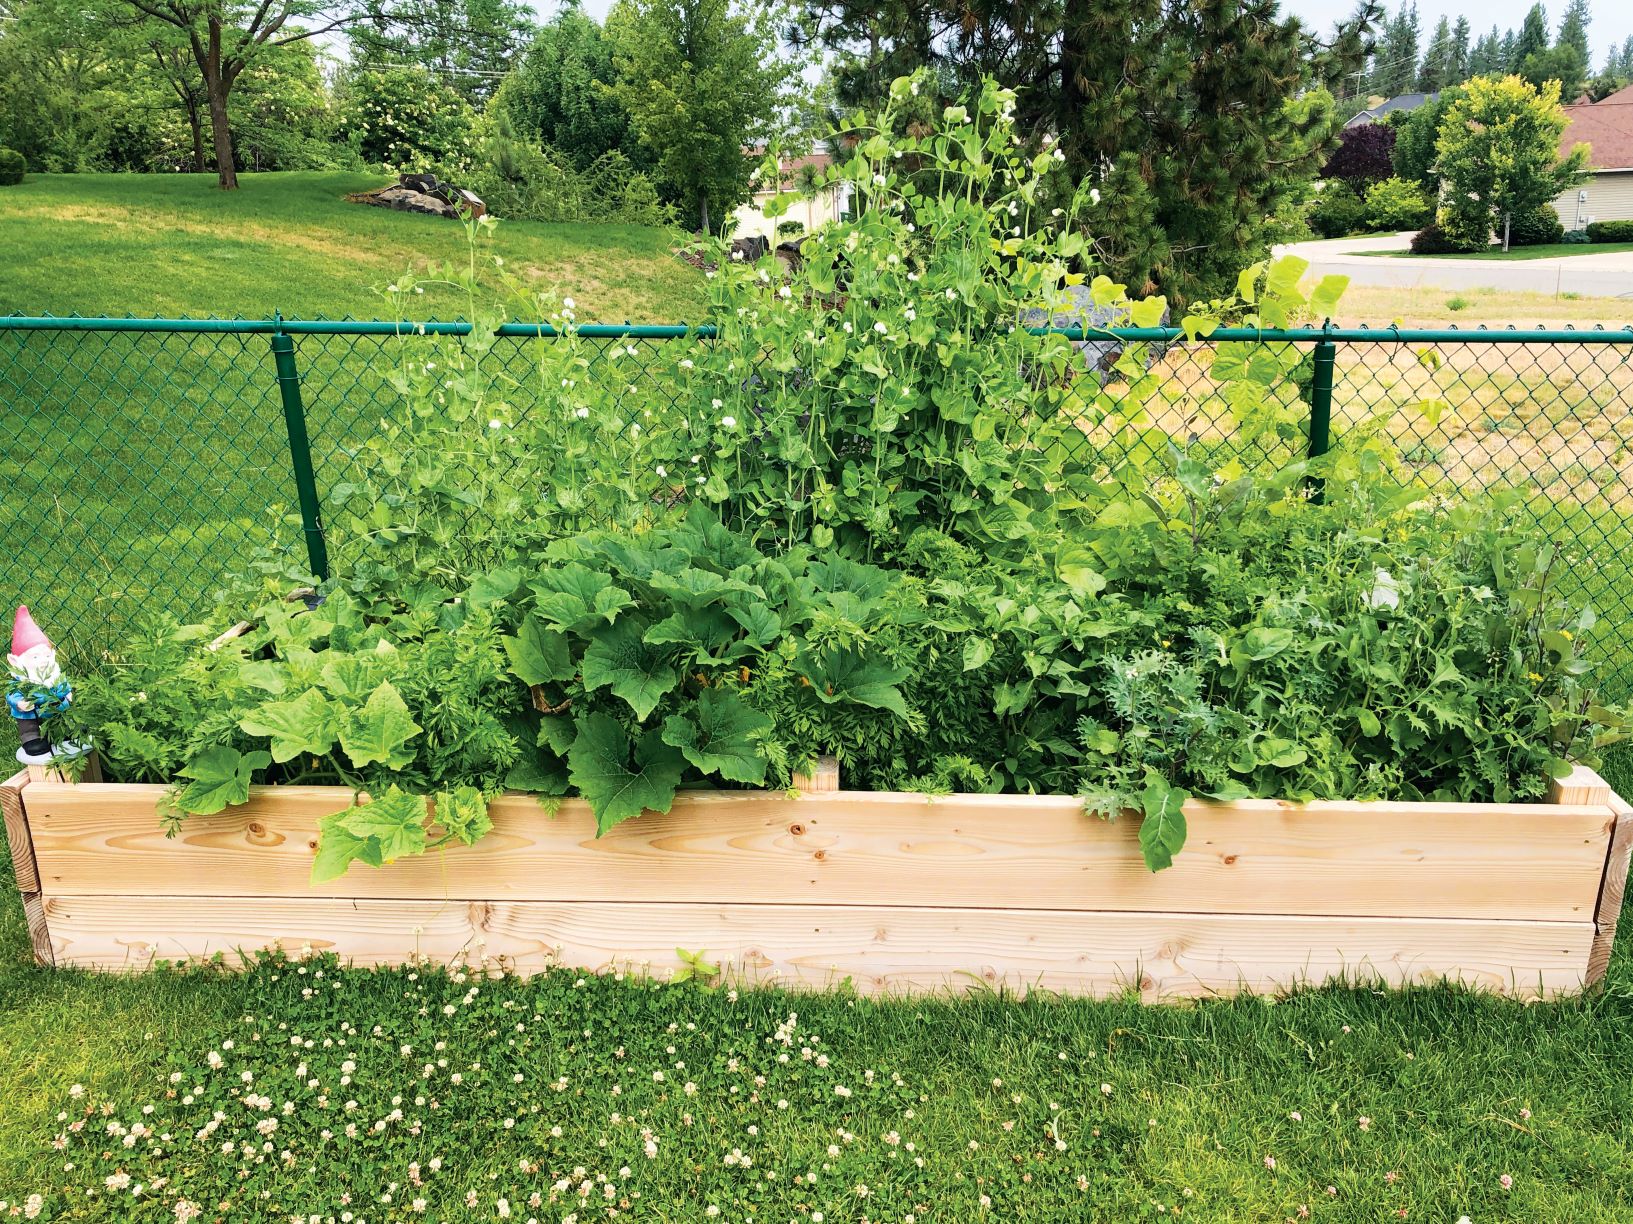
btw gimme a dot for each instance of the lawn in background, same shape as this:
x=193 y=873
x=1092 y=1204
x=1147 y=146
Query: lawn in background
x=172 y=244
x=1548 y=250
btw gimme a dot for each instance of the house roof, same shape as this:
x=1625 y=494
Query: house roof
x=1606 y=125
x=1400 y=102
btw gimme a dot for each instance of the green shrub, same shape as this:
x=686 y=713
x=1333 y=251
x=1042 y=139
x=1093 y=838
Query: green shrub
x=1337 y=210
x=1458 y=302
x=1537 y=227
x=405 y=119
x=1395 y=204
x=1575 y=237
x=519 y=180
x=1432 y=239
x=790 y=229
x=1610 y=231
x=12 y=167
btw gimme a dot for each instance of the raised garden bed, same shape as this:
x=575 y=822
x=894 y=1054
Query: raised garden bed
x=895 y=892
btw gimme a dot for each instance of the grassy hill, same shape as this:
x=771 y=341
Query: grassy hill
x=174 y=244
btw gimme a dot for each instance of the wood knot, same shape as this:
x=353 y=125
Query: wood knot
x=798 y=830
x=1230 y=860
x=820 y=855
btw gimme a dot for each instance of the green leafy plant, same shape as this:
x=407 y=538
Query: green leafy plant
x=877 y=517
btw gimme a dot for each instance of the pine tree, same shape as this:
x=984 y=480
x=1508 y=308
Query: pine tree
x=1141 y=97
x=1573 y=30
x=1533 y=37
x=1457 y=61
x=1435 y=73
x=1395 y=67
x=1507 y=60
x=1486 y=57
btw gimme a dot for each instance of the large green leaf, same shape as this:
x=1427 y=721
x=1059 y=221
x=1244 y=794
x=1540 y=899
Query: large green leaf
x=1162 y=832
x=537 y=773
x=844 y=675
x=539 y=655
x=578 y=598
x=706 y=632
x=220 y=777
x=338 y=849
x=395 y=821
x=380 y=731
x=616 y=790
x=720 y=739
x=637 y=671
x=309 y=723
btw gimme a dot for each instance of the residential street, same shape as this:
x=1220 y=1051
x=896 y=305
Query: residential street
x=1607 y=275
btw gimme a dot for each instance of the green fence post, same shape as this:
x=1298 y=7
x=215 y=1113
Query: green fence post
x=1326 y=359
x=300 y=452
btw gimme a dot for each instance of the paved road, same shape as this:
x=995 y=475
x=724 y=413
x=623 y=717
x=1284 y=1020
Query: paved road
x=1606 y=275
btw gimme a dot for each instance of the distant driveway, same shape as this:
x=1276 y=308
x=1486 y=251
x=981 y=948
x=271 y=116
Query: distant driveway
x=1608 y=275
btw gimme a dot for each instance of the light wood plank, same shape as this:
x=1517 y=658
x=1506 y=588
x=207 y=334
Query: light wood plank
x=882 y=950
x=1581 y=785
x=38 y=934
x=17 y=838
x=1523 y=861
x=1611 y=891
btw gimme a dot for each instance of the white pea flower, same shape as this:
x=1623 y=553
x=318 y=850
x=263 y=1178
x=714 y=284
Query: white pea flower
x=730 y=422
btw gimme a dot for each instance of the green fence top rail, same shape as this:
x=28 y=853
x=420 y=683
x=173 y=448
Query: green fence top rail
x=674 y=331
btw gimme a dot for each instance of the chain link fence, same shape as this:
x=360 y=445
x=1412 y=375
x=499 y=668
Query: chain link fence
x=145 y=457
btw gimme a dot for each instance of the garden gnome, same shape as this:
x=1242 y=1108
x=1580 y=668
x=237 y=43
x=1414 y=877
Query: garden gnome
x=37 y=691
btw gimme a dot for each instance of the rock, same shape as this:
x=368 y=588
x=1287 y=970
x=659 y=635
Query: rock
x=423 y=193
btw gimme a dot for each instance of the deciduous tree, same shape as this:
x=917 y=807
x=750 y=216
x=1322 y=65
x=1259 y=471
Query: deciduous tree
x=701 y=80
x=1498 y=152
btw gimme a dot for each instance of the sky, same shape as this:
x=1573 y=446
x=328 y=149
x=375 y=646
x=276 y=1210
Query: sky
x=1612 y=19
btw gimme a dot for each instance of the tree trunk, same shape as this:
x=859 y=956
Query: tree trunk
x=218 y=79
x=703 y=204
x=226 y=175
x=1507 y=217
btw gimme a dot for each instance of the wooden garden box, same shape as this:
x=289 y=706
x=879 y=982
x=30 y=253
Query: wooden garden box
x=897 y=893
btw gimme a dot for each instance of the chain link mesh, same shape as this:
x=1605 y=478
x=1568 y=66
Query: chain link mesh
x=142 y=464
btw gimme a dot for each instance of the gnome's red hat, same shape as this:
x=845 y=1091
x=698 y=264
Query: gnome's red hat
x=25 y=634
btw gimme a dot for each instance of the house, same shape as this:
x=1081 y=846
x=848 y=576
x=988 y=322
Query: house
x=1607 y=126
x=812 y=210
x=1401 y=102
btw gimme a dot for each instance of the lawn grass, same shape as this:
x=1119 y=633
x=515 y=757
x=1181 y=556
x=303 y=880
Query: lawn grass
x=172 y=244
x=1547 y=250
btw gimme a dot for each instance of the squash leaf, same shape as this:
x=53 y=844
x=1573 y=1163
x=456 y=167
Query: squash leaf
x=721 y=739
x=615 y=790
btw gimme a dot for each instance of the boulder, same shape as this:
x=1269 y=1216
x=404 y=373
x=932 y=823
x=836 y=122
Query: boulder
x=423 y=193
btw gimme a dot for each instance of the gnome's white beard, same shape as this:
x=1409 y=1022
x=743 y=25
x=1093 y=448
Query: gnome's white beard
x=36 y=665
